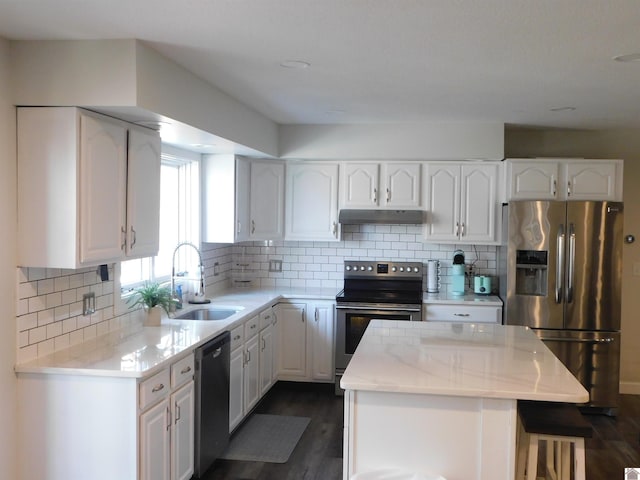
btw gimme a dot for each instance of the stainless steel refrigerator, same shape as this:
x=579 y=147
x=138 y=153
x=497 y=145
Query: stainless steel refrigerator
x=560 y=273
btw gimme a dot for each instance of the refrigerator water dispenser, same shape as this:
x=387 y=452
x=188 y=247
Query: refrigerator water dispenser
x=531 y=272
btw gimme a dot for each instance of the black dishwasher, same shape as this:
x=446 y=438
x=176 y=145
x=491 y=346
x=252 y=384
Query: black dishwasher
x=211 y=402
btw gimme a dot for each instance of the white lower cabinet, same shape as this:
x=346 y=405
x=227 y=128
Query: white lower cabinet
x=251 y=366
x=462 y=312
x=306 y=341
x=167 y=427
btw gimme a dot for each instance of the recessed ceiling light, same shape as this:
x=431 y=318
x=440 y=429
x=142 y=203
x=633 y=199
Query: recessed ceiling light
x=631 y=57
x=203 y=145
x=295 y=64
x=562 y=109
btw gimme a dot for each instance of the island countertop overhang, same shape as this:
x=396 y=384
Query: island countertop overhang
x=469 y=360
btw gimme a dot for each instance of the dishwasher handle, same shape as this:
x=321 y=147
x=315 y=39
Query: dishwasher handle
x=214 y=347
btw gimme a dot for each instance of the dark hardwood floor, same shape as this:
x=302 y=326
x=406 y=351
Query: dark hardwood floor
x=318 y=456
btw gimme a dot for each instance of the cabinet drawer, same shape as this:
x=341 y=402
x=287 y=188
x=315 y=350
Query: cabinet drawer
x=463 y=313
x=251 y=327
x=237 y=337
x=182 y=371
x=266 y=318
x=154 y=388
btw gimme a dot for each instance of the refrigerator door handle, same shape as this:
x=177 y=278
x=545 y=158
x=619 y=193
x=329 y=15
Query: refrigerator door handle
x=560 y=264
x=572 y=261
x=577 y=340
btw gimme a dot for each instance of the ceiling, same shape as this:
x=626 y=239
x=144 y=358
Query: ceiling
x=519 y=62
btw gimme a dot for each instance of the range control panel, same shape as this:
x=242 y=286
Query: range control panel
x=367 y=269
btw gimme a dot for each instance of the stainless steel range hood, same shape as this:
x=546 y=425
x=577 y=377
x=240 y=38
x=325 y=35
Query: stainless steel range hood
x=388 y=217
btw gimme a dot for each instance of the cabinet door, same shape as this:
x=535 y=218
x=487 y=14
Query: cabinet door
x=321 y=342
x=251 y=373
x=312 y=202
x=533 y=180
x=401 y=185
x=182 y=439
x=267 y=200
x=103 y=193
x=236 y=388
x=155 y=451
x=292 y=342
x=478 y=203
x=266 y=359
x=359 y=185
x=143 y=193
x=242 y=192
x=592 y=180
x=442 y=202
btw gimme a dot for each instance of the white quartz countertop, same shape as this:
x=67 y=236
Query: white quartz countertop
x=141 y=351
x=468 y=298
x=469 y=360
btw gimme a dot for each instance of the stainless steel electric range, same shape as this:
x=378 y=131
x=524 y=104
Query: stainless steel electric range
x=379 y=290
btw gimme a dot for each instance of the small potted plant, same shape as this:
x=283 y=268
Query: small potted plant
x=152 y=297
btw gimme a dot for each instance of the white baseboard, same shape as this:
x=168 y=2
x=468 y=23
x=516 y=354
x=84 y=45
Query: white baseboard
x=632 y=388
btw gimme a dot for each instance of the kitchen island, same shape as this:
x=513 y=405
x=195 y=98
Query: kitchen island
x=441 y=398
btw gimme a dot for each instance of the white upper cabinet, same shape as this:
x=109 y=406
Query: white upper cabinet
x=461 y=202
x=564 y=179
x=266 y=200
x=225 y=198
x=74 y=207
x=312 y=201
x=143 y=193
x=401 y=182
x=384 y=185
x=242 y=199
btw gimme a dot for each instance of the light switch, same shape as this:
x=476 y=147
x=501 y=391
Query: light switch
x=636 y=269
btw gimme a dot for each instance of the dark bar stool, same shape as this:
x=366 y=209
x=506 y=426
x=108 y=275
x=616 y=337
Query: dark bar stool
x=559 y=425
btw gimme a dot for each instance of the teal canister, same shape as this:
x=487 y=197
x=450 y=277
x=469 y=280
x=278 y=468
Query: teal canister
x=457 y=279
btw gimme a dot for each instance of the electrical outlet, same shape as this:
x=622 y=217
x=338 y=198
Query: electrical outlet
x=469 y=270
x=275 y=265
x=216 y=269
x=88 y=303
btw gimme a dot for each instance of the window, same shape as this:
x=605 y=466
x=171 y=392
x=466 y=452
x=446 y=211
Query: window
x=179 y=220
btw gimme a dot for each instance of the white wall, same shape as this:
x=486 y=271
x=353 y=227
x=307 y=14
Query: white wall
x=125 y=75
x=8 y=198
x=623 y=144
x=421 y=141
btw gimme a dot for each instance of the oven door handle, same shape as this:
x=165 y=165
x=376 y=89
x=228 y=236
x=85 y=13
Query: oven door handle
x=376 y=308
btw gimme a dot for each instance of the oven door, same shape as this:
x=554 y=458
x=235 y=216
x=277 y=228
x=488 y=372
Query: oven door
x=352 y=322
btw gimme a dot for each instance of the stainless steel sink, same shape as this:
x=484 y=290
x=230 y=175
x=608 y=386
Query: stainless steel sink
x=211 y=313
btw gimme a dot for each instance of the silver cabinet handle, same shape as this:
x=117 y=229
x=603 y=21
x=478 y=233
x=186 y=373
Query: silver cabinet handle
x=123 y=231
x=569 y=188
x=572 y=258
x=238 y=227
x=133 y=236
x=157 y=388
x=461 y=314
x=168 y=418
x=560 y=264
x=253 y=226
x=302 y=315
x=185 y=370
x=334 y=229
x=315 y=315
x=462 y=233
x=275 y=318
x=177 y=413
x=264 y=344
x=388 y=195
x=457 y=229
x=237 y=337
x=555 y=182
x=252 y=326
x=375 y=195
